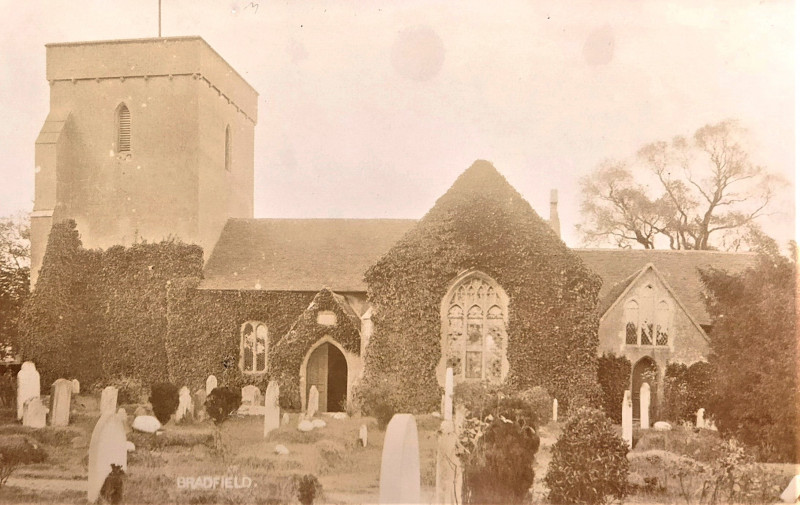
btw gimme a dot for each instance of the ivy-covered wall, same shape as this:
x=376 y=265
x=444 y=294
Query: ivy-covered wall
x=482 y=223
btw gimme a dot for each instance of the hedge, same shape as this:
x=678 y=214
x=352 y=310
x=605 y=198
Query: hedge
x=482 y=223
x=686 y=389
x=614 y=377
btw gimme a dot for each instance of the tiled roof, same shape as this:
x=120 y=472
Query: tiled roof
x=299 y=254
x=618 y=267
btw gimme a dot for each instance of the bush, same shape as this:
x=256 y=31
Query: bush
x=376 y=401
x=308 y=488
x=129 y=389
x=614 y=377
x=17 y=450
x=222 y=402
x=589 y=461
x=164 y=399
x=540 y=401
x=686 y=389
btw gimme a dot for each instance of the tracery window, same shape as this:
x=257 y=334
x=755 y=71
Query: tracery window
x=648 y=323
x=254 y=348
x=476 y=330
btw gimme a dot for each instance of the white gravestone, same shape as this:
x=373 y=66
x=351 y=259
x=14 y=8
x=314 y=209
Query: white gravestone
x=28 y=385
x=272 y=411
x=400 y=482
x=627 y=419
x=76 y=387
x=250 y=395
x=792 y=491
x=211 y=384
x=34 y=413
x=555 y=410
x=448 y=395
x=60 y=401
x=185 y=409
x=108 y=445
x=362 y=435
x=700 y=421
x=285 y=419
x=644 y=406
x=108 y=400
x=448 y=465
x=313 y=402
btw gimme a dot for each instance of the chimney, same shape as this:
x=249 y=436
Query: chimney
x=555 y=224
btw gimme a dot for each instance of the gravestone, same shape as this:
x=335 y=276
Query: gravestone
x=185 y=410
x=448 y=395
x=362 y=435
x=60 y=402
x=555 y=410
x=644 y=406
x=448 y=465
x=700 y=421
x=211 y=384
x=76 y=387
x=400 y=479
x=285 y=419
x=272 y=414
x=108 y=446
x=627 y=419
x=199 y=404
x=28 y=385
x=313 y=402
x=34 y=413
x=792 y=491
x=108 y=400
x=251 y=395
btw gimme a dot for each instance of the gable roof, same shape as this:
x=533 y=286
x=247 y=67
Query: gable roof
x=619 y=267
x=299 y=254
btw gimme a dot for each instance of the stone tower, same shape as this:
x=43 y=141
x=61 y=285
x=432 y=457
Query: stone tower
x=145 y=139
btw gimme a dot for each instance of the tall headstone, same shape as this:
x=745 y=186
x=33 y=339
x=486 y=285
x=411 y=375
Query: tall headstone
x=792 y=492
x=313 y=402
x=60 y=402
x=644 y=406
x=107 y=446
x=34 y=413
x=108 y=400
x=362 y=435
x=185 y=410
x=701 y=421
x=28 y=386
x=272 y=414
x=447 y=415
x=400 y=482
x=555 y=410
x=211 y=384
x=76 y=387
x=627 y=419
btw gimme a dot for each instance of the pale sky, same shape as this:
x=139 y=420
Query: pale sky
x=372 y=109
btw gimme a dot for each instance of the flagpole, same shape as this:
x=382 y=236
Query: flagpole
x=159 y=18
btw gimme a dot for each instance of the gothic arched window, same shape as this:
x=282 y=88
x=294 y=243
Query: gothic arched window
x=648 y=323
x=662 y=323
x=254 y=348
x=631 y=322
x=474 y=321
x=123 y=129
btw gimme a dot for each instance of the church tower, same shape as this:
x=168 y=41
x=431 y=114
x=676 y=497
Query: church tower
x=145 y=139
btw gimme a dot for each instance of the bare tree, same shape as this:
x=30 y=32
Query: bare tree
x=704 y=193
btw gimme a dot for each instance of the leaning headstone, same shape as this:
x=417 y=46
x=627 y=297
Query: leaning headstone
x=108 y=400
x=108 y=446
x=362 y=435
x=313 y=402
x=34 y=413
x=448 y=395
x=211 y=384
x=700 y=421
x=272 y=414
x=644 y=406
x=627 y=419
x=199 y=404
x=400 y=482
x=28 y=385
x=792 y=491
x=76 y=387
x=60 y=402
x=555 y=410
x=185 y=410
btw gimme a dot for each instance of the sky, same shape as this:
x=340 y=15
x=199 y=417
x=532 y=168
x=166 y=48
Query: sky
x=372 y=109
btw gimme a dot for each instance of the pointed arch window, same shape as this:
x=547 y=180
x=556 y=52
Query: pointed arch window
x=631 y=322
x=647 y=324
x=662 y=323
x=253 y=349
x=123 y=129
x=228 y=148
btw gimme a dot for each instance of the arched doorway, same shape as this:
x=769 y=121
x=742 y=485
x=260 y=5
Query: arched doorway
x=645 y=370
x=327 y=369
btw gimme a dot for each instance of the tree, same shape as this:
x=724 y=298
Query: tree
x=14 y=277
x=702 y=192
x=754 y=354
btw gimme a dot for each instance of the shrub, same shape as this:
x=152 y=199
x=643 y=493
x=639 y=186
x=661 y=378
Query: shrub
x=308 y=488
x=223 y=401
x=686 y=389
x=614 y=377
x=376 y=400
x=17 y=450
x=129 y=389
x=589 y=461
x=164 y=398
x=540 y=401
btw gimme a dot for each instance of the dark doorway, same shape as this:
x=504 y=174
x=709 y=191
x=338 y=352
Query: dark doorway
x=645 y=370
x=327 y=369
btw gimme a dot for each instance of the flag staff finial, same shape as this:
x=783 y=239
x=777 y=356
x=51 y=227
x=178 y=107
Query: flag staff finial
x=159 y=18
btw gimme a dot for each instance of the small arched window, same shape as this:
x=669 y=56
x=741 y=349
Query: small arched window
x=123 y=129
x=228 y=148
x=254 y=344
x=631 y=322
x=662 y=323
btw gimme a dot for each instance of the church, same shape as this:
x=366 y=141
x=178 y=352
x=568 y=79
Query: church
x=154 y=138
